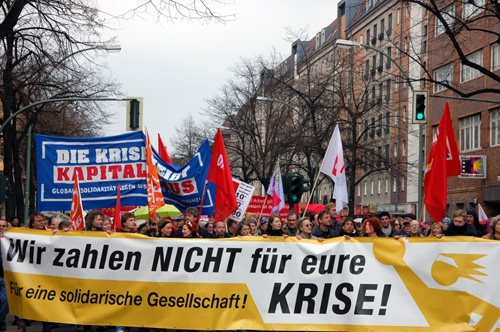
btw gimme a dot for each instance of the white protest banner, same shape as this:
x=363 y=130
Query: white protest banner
x=244 y=193
x=361 y=284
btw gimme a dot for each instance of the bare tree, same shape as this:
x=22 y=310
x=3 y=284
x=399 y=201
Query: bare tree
x=188 y=138
x=457 y=27
x=37 y=64
x=254 y=134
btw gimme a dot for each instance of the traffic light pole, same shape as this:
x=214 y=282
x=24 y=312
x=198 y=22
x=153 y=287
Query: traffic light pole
x=28 y=146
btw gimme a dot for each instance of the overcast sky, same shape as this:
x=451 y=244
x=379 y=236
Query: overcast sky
x=176 y=67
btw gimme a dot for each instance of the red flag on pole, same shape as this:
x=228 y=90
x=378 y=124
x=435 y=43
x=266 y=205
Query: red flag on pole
x=155 y=196
x=162 y=150
x=76 y=215
x=443 y=162
x=117 y=218
x=219 y=173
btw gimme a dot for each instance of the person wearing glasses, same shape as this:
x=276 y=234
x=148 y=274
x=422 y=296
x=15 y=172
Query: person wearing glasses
x=415 y=229
x=305 y=229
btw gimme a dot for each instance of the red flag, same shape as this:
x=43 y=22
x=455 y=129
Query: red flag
x=155 y=196
x=76 y=215
x=443 y=162
x=162 y=150
x=117 y=218
x=219 y=173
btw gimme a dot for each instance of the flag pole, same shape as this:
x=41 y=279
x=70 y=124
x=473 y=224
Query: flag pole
x=310 y=196
x=261 y=211
x=201 y=205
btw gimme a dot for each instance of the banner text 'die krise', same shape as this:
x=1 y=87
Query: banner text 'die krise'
x=252 y=283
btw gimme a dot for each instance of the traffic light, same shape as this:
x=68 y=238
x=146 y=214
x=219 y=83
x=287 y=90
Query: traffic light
x=293 y=186
x=134 y=114
x=420 y=100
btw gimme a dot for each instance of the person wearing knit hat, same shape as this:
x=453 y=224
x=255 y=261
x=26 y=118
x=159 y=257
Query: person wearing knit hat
x=253 y=225
x=473 y=224
x=385 y=222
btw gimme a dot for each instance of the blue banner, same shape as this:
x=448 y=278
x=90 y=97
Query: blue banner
x=100 y=164
x=183 y=186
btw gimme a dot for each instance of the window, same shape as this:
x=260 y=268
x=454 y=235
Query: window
x=396 y=150
x=396 y=117
x=469 y=73
x=389 y=24
x=444 y=75
x=365 y=188
x=387 y=122
x=495 y=56
x=368 y=36
x=404 y=114
x=396 y=51
x=361 y=38
x=403 y=148
x=448 y=15
x=495 y=127
x=387 y=152
x=402 y=183
x=359 y=190
x=471 y=8
x=470 y=133
x=361 y=71
x=398 y=16
x=394 y=184
x=382 y=27
x=379 y=157
x=386 y=185
x=388 y=90
x=372 y=187
x=379 y=186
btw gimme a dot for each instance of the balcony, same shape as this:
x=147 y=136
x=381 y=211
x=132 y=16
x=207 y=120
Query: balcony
x=388 y=65
x=381 y=36
x=365 y=76
x=373 y=71
x=389 y=32
x=379 y=68
x=374 y=40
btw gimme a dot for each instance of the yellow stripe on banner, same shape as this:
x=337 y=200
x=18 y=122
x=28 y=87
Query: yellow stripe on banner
x=107 y=302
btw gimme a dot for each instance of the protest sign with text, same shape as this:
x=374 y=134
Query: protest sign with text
x=100 y=163
x=360 y=284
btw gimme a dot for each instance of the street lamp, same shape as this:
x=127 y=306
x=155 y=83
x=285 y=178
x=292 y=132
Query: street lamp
x=343 y=43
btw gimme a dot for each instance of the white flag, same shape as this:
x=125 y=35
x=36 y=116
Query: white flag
x=483 y=218
x=333 y=166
